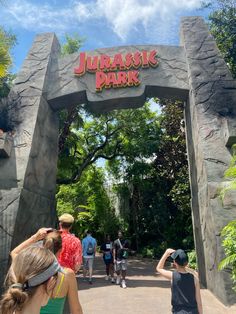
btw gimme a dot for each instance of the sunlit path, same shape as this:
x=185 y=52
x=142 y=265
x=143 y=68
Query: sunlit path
x=146 y=293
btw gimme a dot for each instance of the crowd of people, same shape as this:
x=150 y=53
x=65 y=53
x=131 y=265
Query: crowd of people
x=43 y=271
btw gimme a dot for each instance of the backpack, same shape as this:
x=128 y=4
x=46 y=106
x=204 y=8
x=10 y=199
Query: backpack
x=90 y=248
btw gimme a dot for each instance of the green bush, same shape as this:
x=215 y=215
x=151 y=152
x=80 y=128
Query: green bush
x=192 y=259
x=147 y=252
x=229 y=243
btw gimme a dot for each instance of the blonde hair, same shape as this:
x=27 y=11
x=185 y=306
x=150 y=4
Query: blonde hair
x=53 y=241
x=27 y=264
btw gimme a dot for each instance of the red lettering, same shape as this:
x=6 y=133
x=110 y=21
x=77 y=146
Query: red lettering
x=80 y=70
x=152 y=58
x=133 y=78
x=105 y=62
x=117 y=62
x=111 y=80
x=145 y=59
x=122 y=78
x=128 y=60
x=92 y=64
x=137 y=59
x=100 y=80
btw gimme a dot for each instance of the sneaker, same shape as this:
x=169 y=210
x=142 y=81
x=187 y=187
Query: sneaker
x=123 y=284
x=106 y=278
x=112 y=280
x=118 y=280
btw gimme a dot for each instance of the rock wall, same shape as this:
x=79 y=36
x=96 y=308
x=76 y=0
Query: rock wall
x=28 y=176
x=210 y=112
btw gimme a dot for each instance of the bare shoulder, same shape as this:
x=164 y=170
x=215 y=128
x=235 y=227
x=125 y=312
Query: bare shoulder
x=69 y=273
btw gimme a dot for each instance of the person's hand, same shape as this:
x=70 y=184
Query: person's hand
x=169 y=251
x=41 y=233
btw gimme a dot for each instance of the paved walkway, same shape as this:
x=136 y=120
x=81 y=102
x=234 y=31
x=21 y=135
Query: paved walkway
x=146 y=293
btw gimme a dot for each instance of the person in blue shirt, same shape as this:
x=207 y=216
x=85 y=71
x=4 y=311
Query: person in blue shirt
x=89 y=245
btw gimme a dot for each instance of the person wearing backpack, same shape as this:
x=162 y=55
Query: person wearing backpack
x=107 y=250
x=120 y=255
x=89 y=245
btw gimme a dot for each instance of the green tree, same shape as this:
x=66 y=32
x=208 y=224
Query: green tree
x=107 y=136
x=7 y=41
x=229 y=244
x=156 y=185
x=89 y=203
x=72 y=44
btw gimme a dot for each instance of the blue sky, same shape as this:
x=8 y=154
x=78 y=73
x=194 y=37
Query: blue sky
x=104 y=23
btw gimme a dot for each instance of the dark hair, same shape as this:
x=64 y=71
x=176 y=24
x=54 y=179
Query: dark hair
x=88 y=231
x=53 y=241
x=66 y=225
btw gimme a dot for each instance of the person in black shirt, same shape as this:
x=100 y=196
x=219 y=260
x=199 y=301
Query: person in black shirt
x=106 y=249
x=120 y=254
x=185 y=288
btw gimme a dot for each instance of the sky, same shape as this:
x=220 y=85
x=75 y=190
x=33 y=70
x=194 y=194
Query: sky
x=103 y=23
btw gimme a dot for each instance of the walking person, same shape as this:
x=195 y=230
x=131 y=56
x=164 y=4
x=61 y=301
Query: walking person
x=89 y=245
x=185 y=288
x=71 y=253
x=66 y=285
x=120 y=254
x=107 y=250
x=30 y=281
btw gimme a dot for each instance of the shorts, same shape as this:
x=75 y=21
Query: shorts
x=193 y=311
x=88 y=262
x=108 y=261
x=121 y=265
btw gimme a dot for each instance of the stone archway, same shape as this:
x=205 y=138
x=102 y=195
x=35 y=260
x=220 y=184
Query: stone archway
x=194 y=72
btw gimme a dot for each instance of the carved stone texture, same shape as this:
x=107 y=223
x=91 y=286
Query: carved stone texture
x=28 y=176
x=229 y=200
x=211 y=105
x=230 y=132
x=168 y=79
x=5 y=145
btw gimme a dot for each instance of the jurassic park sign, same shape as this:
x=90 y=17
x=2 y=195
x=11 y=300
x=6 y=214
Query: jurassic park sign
x=117 y=71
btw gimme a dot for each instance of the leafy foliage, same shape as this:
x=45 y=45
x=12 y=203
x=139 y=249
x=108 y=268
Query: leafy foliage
x=88 y=201
x=109 y=136
x=192 y=259
x=229 y=244
x=156 y=186
x=72 y=44
x=7 y=41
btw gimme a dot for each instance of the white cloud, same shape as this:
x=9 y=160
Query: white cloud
x=122 y=16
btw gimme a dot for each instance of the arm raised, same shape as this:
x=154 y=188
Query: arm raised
x=160 y=266
x=39 y=235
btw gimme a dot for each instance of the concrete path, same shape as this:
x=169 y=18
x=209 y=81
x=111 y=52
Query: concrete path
x=146 y=293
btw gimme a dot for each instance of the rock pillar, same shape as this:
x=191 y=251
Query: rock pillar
x=209 y=114
x=28 y=175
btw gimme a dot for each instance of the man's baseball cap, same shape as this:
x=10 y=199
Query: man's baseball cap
x=180 y=257
x=67 y=218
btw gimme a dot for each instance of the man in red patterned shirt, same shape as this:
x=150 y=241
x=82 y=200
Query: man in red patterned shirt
x=71 y=253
